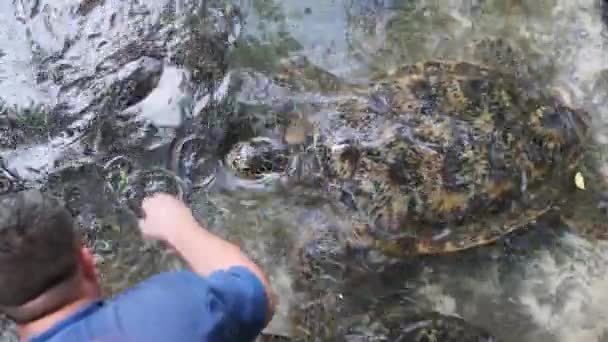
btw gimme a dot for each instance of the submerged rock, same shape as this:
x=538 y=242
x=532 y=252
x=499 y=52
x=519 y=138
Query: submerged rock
x=120 y=77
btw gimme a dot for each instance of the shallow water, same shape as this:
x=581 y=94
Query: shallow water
x=548 y=286
x=544 y=285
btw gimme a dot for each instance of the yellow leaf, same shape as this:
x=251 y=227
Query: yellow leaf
x=579 y=181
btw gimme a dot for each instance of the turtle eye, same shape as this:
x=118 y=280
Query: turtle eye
x=6 y=185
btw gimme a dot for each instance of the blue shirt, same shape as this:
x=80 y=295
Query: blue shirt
x=172 y=307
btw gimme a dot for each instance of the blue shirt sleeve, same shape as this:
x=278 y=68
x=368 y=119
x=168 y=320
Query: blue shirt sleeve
x=228 y=305
x=238 y=296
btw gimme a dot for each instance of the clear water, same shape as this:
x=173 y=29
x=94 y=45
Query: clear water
x=551 y=287
x=536 y=286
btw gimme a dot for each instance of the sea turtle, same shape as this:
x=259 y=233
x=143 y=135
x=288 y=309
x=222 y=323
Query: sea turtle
x=331 y=304
x=78 y=183
x=105 y=201
x=104 y=182
x=389 y=323
x=125 y=156
x=434 y=157
x=436 y=327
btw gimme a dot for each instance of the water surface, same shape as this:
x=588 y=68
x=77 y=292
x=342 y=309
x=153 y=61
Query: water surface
x=87 y=59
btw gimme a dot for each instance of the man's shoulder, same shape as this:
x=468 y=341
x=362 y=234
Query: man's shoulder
x=234 y=281
x=171 y=285
x=181 y=305
x=184 y=291
x=165 y=282
x=227 y=305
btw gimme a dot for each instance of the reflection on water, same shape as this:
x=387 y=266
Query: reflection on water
x=544 y=284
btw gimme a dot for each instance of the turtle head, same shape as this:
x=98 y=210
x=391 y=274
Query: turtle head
x=257 y=157
x=561 y=130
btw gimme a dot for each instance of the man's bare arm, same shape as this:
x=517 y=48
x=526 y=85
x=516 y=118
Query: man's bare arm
x=171 y=220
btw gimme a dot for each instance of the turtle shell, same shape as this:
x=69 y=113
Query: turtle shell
x=449 y=156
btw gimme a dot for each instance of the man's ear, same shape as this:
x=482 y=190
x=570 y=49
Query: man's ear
x=87 y=263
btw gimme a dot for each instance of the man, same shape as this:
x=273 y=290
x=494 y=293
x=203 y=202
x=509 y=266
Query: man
x=48 y=282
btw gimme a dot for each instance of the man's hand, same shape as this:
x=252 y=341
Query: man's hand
x=169 y=219
x=165 y=216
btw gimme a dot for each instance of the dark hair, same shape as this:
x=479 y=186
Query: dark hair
x=37 y=246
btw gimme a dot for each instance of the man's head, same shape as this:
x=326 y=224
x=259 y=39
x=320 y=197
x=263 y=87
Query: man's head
x=43 y=266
